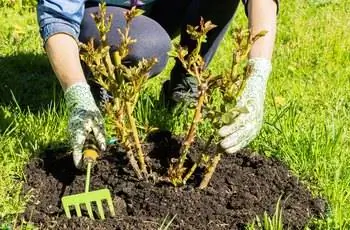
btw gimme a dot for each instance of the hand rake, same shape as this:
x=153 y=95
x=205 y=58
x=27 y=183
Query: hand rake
x=87 y=198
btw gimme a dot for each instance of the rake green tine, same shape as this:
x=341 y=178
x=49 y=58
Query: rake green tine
x=77 y=209
x=110 y=206
x=89 y=209
x=67 y=211
x=100 y=209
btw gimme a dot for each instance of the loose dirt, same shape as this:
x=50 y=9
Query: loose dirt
x=244 y=185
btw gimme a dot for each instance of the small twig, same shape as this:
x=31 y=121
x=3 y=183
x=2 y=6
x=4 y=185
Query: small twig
x=189 y=174
x=192 y=131
x=210 y=171
x=134 y=164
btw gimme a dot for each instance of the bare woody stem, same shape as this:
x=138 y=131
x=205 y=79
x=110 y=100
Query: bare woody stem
x=134 y=164
x=234 y=69
x=126 y=144
x=136 y=138
x=192 y=131
x=210 y=171
x=109 y=65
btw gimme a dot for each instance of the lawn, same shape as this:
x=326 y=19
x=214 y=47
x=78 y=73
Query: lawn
x=307 y=118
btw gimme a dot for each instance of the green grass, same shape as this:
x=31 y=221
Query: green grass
x=274 y=222
x=307 y=119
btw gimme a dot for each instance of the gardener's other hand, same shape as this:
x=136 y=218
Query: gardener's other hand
x=247 y=125
x=84 y=117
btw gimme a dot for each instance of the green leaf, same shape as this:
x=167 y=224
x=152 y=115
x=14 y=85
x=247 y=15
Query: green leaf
x=259 y=35
x=229 y=107
x=172 y=52
x=240 y=109
x=227 y=118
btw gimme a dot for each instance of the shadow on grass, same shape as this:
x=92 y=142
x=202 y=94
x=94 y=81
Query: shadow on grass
x=27 y=79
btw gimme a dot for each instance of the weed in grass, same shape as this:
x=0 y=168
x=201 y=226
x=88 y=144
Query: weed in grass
x=166 y=223
x=274 y=222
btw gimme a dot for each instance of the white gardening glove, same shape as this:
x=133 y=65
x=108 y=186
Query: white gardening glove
x=247 y=125
x=84 y=117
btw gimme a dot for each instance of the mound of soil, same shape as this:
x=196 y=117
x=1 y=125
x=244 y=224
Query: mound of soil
x=244 y=185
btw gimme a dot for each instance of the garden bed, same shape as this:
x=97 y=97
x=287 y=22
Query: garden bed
x=243 y=186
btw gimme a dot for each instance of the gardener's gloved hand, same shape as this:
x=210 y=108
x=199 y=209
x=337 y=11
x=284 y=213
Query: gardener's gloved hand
x=247 y=125
x=84 y=117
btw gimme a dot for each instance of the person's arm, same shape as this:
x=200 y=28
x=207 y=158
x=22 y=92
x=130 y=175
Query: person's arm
x=63 y=53
x=262 y=16
x=59 y=22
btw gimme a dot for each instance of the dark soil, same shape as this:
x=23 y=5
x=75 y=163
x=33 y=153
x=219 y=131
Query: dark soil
x=243 y=186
